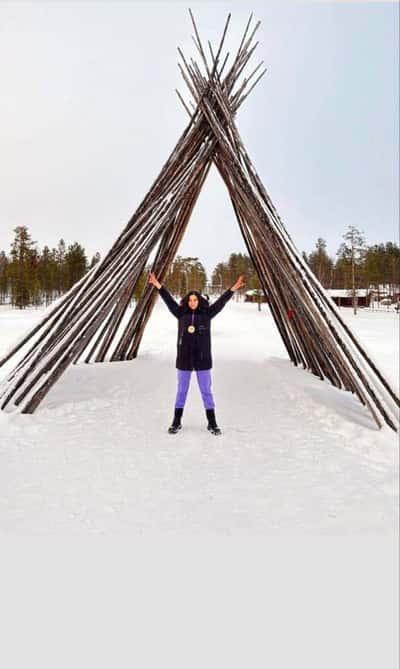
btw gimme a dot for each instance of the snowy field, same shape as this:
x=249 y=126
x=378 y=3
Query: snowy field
x=297 y=456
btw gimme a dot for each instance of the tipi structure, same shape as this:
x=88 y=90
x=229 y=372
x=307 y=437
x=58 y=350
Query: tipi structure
x=84 y=324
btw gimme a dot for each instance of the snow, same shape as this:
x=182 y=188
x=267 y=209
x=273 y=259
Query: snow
x=296 y=457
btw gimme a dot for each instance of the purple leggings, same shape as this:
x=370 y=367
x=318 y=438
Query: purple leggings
x=204 y=381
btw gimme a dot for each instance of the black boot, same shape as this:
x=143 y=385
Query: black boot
x=176 y=423
x=212 y=423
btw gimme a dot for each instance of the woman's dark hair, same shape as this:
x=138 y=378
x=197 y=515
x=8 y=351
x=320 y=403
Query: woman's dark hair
x=203 y=303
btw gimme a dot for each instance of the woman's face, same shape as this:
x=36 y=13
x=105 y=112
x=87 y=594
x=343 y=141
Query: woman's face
x=193 y=301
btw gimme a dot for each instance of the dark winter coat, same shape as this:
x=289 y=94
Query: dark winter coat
x=194 y=350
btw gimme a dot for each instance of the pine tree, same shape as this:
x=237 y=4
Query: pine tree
x=35 y=296
x=59 y=254
x=75 y=262
x=352 y=254
x=220 y=277
x=392 y=267
x=23 y=268
x=320 y=263
x=4 y=277
x=47 y=274
x=374 y=266
x=238 y=264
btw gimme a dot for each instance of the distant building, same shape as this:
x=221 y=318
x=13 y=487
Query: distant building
x=389 y=291
x=255 y=295
x=344 y=297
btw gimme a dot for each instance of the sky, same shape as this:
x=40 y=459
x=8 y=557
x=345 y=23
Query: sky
x=89 y=115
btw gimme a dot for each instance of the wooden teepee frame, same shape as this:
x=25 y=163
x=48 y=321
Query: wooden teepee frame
x=85 y=322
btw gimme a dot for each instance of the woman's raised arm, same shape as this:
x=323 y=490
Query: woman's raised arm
x=219 y=304
x=172 y=305
x=153 y=281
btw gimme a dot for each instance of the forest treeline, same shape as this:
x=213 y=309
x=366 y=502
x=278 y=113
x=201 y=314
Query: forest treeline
x=370 y=267
x=30 y=276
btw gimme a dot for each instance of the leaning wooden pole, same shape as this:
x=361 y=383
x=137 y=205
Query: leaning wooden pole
x=86 y=323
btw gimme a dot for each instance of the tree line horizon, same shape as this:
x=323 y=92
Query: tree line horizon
x=33 y=277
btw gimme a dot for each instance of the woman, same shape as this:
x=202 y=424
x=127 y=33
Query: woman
x=194 y=314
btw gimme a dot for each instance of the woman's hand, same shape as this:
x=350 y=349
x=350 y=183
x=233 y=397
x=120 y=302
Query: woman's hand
x=153 y=280
x=239 y=283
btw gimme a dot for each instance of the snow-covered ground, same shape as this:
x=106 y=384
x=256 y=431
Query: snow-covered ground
x=296 y=455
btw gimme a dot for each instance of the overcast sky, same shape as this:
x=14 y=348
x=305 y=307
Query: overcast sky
x=89 y=115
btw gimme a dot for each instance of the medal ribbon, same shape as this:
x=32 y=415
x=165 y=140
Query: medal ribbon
x=191 y=327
